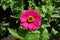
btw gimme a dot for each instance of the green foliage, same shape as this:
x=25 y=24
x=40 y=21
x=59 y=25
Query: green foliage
x=34 y=35
x=45 y=35
x=14 y=33
x=46 y=8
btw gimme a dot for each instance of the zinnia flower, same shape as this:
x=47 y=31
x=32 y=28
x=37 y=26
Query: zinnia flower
x=30 y=20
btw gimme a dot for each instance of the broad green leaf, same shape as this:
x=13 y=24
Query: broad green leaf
x=45 y=35
x=35 y=35
x=22 y=32
x=14 y=33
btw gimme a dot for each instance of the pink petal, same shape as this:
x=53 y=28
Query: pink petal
x=30 y=27
x=35 y=14
x=37 y=23
x=25 y=25
x=27 y=13
x=35 y=27
x=23 y=19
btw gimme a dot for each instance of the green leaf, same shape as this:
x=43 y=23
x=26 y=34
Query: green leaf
x=47 y=24
x=31 y=3
x=45 y=35
x=14 y=16
x=55 y=16
x=46 y=1
x=58 y=24
x=33 y=35
x=54 y=32
x=0 y=3
x=14 y=33
x=50 y=9
x=57 y=10
x=4 y=7
x=57 y=0
x=5 y=24
x=44 y=9
x=44 y=25
x=58 y=34
x=39 y=10
x=22 y=32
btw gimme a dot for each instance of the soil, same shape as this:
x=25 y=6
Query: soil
x=9 y=37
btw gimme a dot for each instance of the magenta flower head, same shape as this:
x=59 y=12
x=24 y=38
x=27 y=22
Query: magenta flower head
x=30 y=20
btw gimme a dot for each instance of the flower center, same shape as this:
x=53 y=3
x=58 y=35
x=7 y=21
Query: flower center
x=30 y=18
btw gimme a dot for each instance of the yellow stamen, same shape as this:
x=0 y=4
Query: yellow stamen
x=30 y=18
